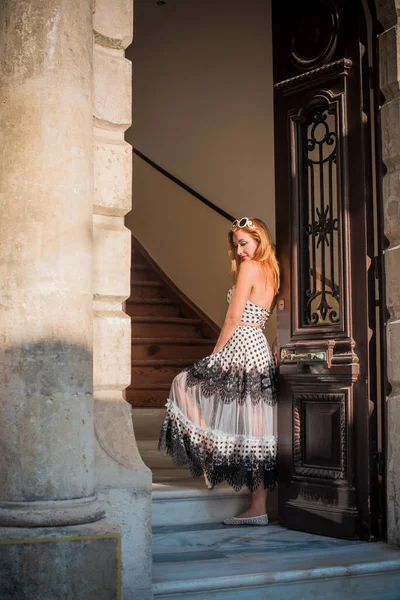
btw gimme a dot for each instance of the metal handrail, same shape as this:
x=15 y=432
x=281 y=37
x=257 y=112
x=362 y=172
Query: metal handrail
x=187 y=188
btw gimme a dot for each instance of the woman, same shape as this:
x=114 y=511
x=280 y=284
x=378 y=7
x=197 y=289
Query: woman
x=221 y=413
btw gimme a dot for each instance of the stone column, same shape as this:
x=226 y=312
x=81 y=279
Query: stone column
x=389 y=47
x=122 y=480
x=46 y=312
x=46 y=412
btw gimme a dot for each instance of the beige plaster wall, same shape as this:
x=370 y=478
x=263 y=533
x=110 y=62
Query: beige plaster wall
x=203 y=98
x=204 y=114
x=186 y=238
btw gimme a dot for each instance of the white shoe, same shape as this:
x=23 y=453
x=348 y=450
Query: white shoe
x=208 y=482
x=261 y=520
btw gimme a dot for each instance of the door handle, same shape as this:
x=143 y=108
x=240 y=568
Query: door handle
x=308 y=356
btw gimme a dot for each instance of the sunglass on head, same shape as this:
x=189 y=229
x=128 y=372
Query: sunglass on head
x=244 y=222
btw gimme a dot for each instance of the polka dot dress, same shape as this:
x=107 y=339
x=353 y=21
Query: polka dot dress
x=221 y=412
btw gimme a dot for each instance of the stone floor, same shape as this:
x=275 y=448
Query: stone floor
x=214 y=561
x=195 y=557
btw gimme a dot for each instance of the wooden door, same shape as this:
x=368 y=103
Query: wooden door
x=324 y=205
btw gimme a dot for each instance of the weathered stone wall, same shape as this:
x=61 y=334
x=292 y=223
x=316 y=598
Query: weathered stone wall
x=389 y=43
x=63 y=563
x=122 y=480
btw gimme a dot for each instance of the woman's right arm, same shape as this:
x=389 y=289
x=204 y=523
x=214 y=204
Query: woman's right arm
x=241 y=293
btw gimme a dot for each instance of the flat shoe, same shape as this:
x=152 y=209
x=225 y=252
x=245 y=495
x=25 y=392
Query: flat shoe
x=208 y=482
x=261 y=520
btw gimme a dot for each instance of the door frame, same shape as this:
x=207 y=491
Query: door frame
x=379 y=270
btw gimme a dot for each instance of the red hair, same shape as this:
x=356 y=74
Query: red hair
x=264 y=254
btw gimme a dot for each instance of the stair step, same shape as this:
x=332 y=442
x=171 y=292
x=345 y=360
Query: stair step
x=142 y=272
x=165 y=348
x=147 y=423
x=255 y=563
x=139 y=266
x=176 y=362
x=187 y=501
x=148 y=307
x=157 y=371
x=178 y=327
x=153 y=394
x=137 y=258
x=143 y=289
x=160 y=461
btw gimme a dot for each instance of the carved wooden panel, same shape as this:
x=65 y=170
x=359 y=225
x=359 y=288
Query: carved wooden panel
x=315 y=32
x=319 y=435
x=318 y=129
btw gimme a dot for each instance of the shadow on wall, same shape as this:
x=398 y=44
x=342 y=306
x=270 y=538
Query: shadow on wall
x=186 y=238
x=46 y=390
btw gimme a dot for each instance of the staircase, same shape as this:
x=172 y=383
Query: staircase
x=194 y=555
x=168 y=332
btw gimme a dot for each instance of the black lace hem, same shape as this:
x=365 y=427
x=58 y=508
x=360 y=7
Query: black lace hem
x=234 y=384
x=202 y=456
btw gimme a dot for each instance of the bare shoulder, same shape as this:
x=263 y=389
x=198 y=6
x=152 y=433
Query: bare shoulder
x=249 y=268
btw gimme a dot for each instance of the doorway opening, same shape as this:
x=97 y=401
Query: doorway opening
x=325 y=66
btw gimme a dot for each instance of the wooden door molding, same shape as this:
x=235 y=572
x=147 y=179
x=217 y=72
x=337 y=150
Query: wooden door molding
x=318 y=75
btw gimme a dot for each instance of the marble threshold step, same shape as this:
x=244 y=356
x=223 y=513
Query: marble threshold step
x=147 y=423
x=179 y=499
x=154 y=459
x=215 y=562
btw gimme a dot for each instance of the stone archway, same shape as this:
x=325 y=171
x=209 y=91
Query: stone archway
x=389 y=53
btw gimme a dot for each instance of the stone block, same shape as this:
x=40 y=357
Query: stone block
x=111 y=260
x=123 y=485
x=393 y=470
x=390 y=120
x=114 y=432
x=113 y=23
x=112 y=177
x=65 y=562
x=387 y=12
x=112 y=89
x=130 y=507
x=112 y=344
x=391 y=206
x=393 y=353
x=392 y=273
x=389 y=50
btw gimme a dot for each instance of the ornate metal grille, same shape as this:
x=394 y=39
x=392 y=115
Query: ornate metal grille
x=319 y=233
